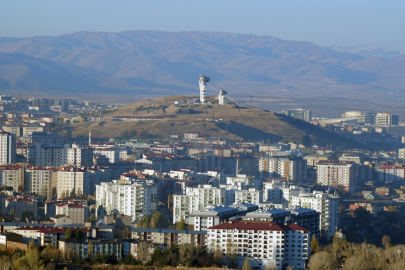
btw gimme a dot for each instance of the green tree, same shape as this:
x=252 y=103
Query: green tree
x=69 y=233
x=79 y=233
x=73 y=193
x=126 y=232
x=181 y=225
x=63 y=195
x=91 y=218
x=12 y=212
x=26 y=214
x=21 y=188
x=159 y=221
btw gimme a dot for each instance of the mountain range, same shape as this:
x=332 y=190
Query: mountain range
x=166 y=63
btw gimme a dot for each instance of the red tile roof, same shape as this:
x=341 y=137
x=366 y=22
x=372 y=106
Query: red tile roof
x=257 y=226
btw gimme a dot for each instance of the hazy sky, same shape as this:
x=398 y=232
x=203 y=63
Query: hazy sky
x=324 y=22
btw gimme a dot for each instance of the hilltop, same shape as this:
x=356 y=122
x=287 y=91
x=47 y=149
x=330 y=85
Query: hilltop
x=227 y=121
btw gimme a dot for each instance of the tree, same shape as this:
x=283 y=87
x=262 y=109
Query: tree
x=90 y=251
x=143 y=251
x=159 y=221
x=54 y=193
x=126 y=233
x=12 y=212
x=246 y=264
x=386 y=241
x=73 y=193
x=31 y=244
x=21 y=188
x=321 y=261
x=79 y=234
x=91 y=218
x=231 y=252
x=63 y=195
x=69 y=233
x=315 y=247
x=26 y=214
x=181 y=225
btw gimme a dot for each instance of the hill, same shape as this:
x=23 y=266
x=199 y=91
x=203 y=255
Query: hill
x=227 y=121
x=167 y=63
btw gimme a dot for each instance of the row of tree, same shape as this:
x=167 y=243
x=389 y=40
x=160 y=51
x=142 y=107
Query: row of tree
x=351 y=256
x=155 y=221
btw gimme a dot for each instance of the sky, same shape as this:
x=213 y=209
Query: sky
x=323 y=22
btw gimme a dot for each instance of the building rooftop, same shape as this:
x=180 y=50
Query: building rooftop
x=257 y=226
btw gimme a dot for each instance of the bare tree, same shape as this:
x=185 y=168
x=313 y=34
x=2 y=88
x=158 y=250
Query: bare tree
x=231 y=252
x=386 y=241
x=321 y=261
x=143 y=251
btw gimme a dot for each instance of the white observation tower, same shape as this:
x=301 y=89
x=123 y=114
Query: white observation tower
x=203 y=80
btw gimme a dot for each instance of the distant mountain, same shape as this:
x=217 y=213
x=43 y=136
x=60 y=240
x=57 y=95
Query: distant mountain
x=169 y=63
x=366 y=51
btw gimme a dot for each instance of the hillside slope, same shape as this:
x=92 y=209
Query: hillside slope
x=219 y=121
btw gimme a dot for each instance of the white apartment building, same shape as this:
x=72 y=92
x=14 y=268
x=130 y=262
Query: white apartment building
x=12 y=176
x=197 y=198
x=39 y=180
x=336 y=173
x=250 y=195
x=391 y=173
x=278 y=192
x=267 y=244
x=7 y=148
x=44 y=155
x=326 y=204
x=135 y=199
x=80 y=156
x=111 y=154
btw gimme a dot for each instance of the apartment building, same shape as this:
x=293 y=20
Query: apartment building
x=304 y=115
x=391 y=173
x=21 y=203
x=7 y=148
x=76 y=211
x=267 y=244
x=201 y=220
x=336 y=173
x=170 y=236
x=89 y=248
x=40 y=180
x=251 y=195
x=328 y=205
x=131 y=198
x=112 y=155
x=279 y=192
x=197 y=198
x=12 y=176
x=80 y=156
x=45 y=155
x=292 y=168
x=305 y=217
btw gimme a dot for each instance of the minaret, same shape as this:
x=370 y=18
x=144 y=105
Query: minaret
x=89 y=137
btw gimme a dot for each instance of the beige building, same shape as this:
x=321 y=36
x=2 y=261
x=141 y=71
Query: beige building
x=81 y=247
x=313 y=159
x=77 y=212
x=38 y=180
x=12 y=176
x=69 y=178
